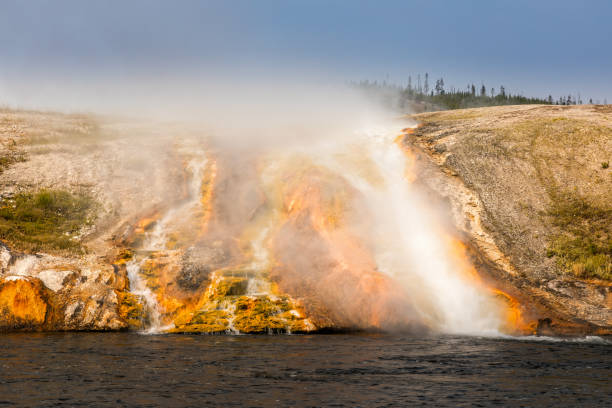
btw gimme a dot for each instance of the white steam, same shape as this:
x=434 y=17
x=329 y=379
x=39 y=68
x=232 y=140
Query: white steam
x=407 y=235
x=236 y=112
x=327 y=123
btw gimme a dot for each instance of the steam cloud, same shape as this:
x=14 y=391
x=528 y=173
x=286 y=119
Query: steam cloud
x=358 y=243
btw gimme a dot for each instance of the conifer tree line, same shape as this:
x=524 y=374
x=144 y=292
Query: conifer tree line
x=434 y=95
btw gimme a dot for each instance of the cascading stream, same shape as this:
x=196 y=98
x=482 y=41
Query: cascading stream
x=410 y=244
x=156 y=240
x=139 y=288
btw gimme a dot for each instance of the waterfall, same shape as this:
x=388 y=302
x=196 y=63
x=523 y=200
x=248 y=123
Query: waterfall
x=410 y=242
x=139 y=288
x=156 y=240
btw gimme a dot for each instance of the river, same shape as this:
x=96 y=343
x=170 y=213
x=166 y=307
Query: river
x=367 y=370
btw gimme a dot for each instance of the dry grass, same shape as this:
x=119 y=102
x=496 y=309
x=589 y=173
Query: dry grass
x=9 y=158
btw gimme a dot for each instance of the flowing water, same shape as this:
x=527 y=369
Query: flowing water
x=410 y=238
x=156 y=240
x=147 y=298
x=128 y=369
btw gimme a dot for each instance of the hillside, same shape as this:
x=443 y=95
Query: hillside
x=542 y=189
x=115 y=224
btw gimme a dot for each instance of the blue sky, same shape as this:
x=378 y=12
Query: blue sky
x=536 y=47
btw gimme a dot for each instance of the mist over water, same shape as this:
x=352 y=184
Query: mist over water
x=408 y=235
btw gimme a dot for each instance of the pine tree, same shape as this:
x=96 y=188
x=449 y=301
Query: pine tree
x=426 y=86
x=440 y=86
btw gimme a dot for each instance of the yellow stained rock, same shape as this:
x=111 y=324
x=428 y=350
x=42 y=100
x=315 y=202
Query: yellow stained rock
x=227 y=305
x=213 y=321
x=130 y=309
x=23 y=303
x=124 y=256
x=263 y=313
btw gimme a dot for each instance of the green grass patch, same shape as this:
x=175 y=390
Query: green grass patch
x=47 y=220
x=584 y=244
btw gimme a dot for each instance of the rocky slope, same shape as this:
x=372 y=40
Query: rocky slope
x=531 y=188
x=109 y=224
x=66 y=183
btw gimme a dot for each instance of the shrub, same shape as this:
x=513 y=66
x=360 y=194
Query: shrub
x=605 y=165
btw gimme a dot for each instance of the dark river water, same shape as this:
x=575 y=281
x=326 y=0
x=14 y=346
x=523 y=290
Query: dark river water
x=126 y=369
